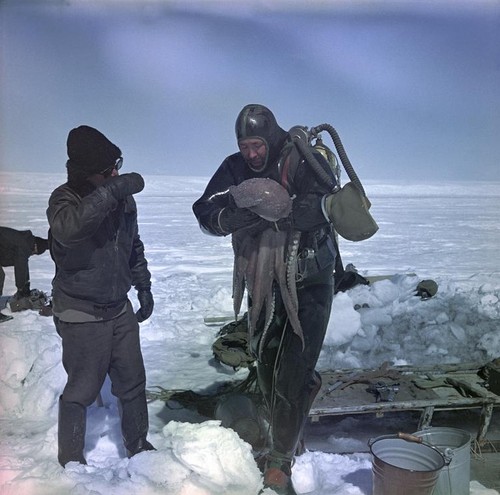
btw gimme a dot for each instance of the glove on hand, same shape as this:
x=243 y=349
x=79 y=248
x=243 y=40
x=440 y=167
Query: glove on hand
x=125 y=185
x=146 y=301
x=232 y=219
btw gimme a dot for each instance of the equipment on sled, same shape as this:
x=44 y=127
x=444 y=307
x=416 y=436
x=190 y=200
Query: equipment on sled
x=347 y=207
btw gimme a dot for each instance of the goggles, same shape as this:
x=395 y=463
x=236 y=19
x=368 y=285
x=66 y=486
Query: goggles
x=117 y=165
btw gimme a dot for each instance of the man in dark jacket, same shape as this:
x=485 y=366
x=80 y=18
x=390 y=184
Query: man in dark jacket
x=95 y=244
x=16 y=247
x=285 y=367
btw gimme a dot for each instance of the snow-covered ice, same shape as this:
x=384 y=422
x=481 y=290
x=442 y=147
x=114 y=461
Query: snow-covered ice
x=448 y=232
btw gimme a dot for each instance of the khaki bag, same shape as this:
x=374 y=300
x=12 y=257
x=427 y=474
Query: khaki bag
x=348 y=210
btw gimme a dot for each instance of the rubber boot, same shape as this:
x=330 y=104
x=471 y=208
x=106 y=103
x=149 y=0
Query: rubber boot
x=314 y=388
x=135 y=425
x=71 y=432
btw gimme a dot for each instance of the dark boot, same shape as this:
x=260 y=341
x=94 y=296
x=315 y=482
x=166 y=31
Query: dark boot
x=71 y=432
x=135 y=425
x=314 y=388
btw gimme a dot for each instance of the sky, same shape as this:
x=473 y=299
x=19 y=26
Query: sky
x=413 y=88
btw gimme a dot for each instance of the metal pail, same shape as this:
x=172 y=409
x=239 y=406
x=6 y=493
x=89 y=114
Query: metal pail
x=402 y=465
x=454 y=444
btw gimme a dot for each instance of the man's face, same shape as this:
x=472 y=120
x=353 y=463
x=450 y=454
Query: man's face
x=254 y=151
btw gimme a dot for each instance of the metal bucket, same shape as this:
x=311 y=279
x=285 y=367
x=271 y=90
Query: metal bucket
x=403 y=465
x=454 y=444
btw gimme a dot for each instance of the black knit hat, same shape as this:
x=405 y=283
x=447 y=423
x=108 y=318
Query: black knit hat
x=90 y=151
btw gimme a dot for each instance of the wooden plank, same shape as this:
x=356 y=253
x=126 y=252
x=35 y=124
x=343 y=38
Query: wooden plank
x=432 y=369
x=470 y=388
x=464 y=403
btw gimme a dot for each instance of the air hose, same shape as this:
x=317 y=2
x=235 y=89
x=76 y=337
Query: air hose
x=301 y=137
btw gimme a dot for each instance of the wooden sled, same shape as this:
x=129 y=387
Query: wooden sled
x=406 y=388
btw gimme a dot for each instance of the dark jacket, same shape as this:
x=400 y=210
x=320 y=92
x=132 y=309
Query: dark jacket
x=97 y=250
x=307 y=215
x=16 y=246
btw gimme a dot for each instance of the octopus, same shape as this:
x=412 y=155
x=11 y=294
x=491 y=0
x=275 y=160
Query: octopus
x=266 y=260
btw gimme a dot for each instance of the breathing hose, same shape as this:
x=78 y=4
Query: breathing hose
x=301 y=137
x=318 y=169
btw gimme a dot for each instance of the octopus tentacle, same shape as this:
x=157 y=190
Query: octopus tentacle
x=260 y=262
x=240 y=269
x=267 y=325
x=262 y=287
x=289 y=290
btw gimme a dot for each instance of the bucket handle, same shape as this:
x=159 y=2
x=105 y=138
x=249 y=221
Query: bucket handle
x=448 y=453
x=403 y=436
x=409 y=437
x=447 y=456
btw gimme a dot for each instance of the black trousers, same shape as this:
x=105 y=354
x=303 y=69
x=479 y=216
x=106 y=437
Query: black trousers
x=92 y=350
x=286 y=372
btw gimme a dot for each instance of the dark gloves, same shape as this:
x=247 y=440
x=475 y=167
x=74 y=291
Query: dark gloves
x=125 y=185
x=232 y=219
x=146 y=301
